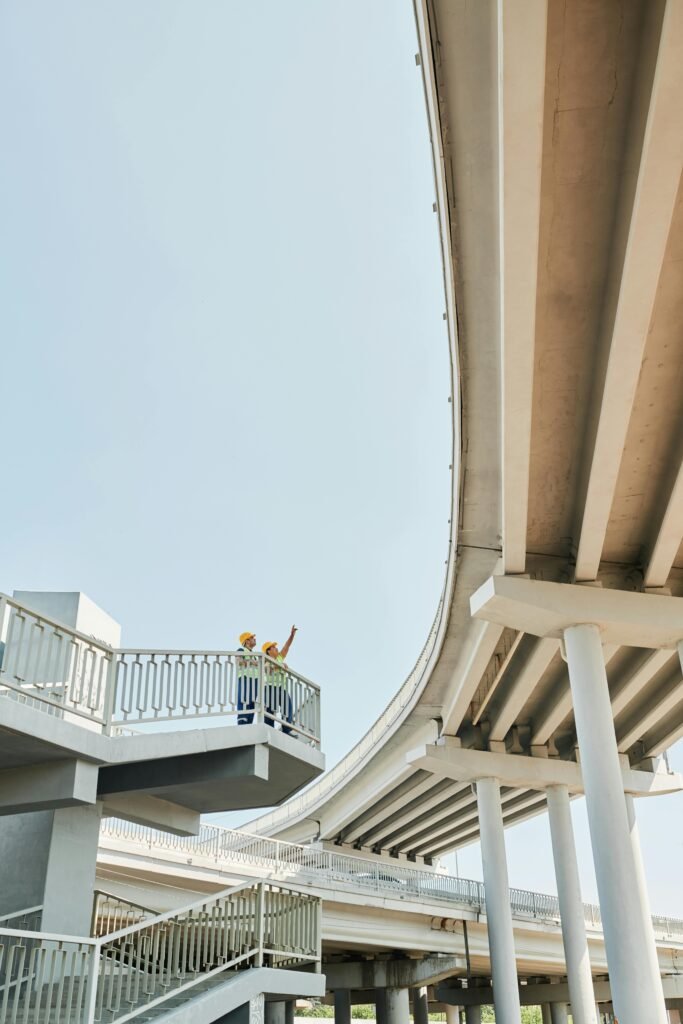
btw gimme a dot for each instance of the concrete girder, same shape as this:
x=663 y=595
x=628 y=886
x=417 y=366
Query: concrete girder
x=38 y=787
x=624 y=690
x=532 y=804
x=521 y=95
x=407 y=795
x=535 y=993
x=537 y=773
x=401 y=837
x=660 y=558
x=403 y=973
x=380 y=804
x=654 y=708
x=495 y=682
x=540 y=654
x=647 y=201
x=479 y=650
x=513 y=800
x=153 y=811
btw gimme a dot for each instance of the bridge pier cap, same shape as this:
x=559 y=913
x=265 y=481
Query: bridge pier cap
x=546 y=609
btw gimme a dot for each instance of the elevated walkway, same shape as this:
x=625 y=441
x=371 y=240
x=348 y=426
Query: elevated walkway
x=150 y=733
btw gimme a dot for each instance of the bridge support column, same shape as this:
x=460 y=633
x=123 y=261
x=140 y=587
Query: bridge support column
x=498 y=912
x=473 y=1015
x=571 y=906
x=559 y=1013
x=342 y=1006
x=452 y=1014
x=398 y=1006
x=545 y=1013
x=381 y=1005
x=674 y=1017
x=420 y=1005
x=629 y=940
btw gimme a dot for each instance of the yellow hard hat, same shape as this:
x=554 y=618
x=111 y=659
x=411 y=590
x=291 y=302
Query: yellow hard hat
x=246 y=636
x=268 y=644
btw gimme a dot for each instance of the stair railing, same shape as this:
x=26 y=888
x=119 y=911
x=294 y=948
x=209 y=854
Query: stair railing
x=58 y=979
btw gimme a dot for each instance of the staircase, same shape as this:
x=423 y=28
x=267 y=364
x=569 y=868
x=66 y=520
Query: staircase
x=156 y=967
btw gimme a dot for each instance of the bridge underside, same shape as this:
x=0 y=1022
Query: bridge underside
x=558 y=153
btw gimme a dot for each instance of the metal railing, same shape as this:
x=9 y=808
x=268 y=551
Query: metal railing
x=163 y=686
x=52 y=666
x=55 y=979
x=23 y=920
x=111 y=913
x=64 y=672
x=326 y=868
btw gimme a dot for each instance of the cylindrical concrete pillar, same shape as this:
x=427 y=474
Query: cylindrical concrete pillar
x=398 y=1006
x=275 y=1012
x=381 y=1005
x=674 y=1017
x=559 y=1013
x=452 y=1014
x=545 y=1013
x=636 y=987
x=342 y=1006
x=420 y=1005
x=571 y=906
x=498 y=912
x=289 y=1011
x=642 y=881
x=473 y=1015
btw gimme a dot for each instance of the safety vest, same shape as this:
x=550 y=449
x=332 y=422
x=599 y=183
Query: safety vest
x=247 y=667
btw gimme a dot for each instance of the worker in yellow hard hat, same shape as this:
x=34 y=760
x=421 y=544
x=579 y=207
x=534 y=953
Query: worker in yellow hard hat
x=247 y=679
x=278 y=695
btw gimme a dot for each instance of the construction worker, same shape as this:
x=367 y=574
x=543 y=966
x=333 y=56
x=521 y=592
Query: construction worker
x=247 y=679
x=278 y=701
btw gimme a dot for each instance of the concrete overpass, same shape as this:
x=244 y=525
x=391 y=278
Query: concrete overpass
x=557 y=139
x=383 y=924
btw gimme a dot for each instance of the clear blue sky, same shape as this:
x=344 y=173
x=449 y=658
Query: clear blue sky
x=225 y=367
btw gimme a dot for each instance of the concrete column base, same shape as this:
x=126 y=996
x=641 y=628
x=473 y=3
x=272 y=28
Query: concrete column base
x=473 y=1015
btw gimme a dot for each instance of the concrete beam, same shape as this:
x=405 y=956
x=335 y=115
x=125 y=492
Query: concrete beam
x=482 y=639
x=539 y=653
x=43 y=787
x=172 y=772
x=536 y=773
x=408 y=973
x=547 y=609
x=365 y=828
x=153 y=811
x=521 y=95
x=548 y=992
x=641 y=233
x=660 y=557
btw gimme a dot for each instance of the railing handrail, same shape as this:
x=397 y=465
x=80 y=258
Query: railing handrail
x=56 y=624
x=374 y=868
x=150 y=652
x=21 y=913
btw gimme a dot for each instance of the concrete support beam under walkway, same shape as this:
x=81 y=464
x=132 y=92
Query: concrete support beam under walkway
x=42 y=787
